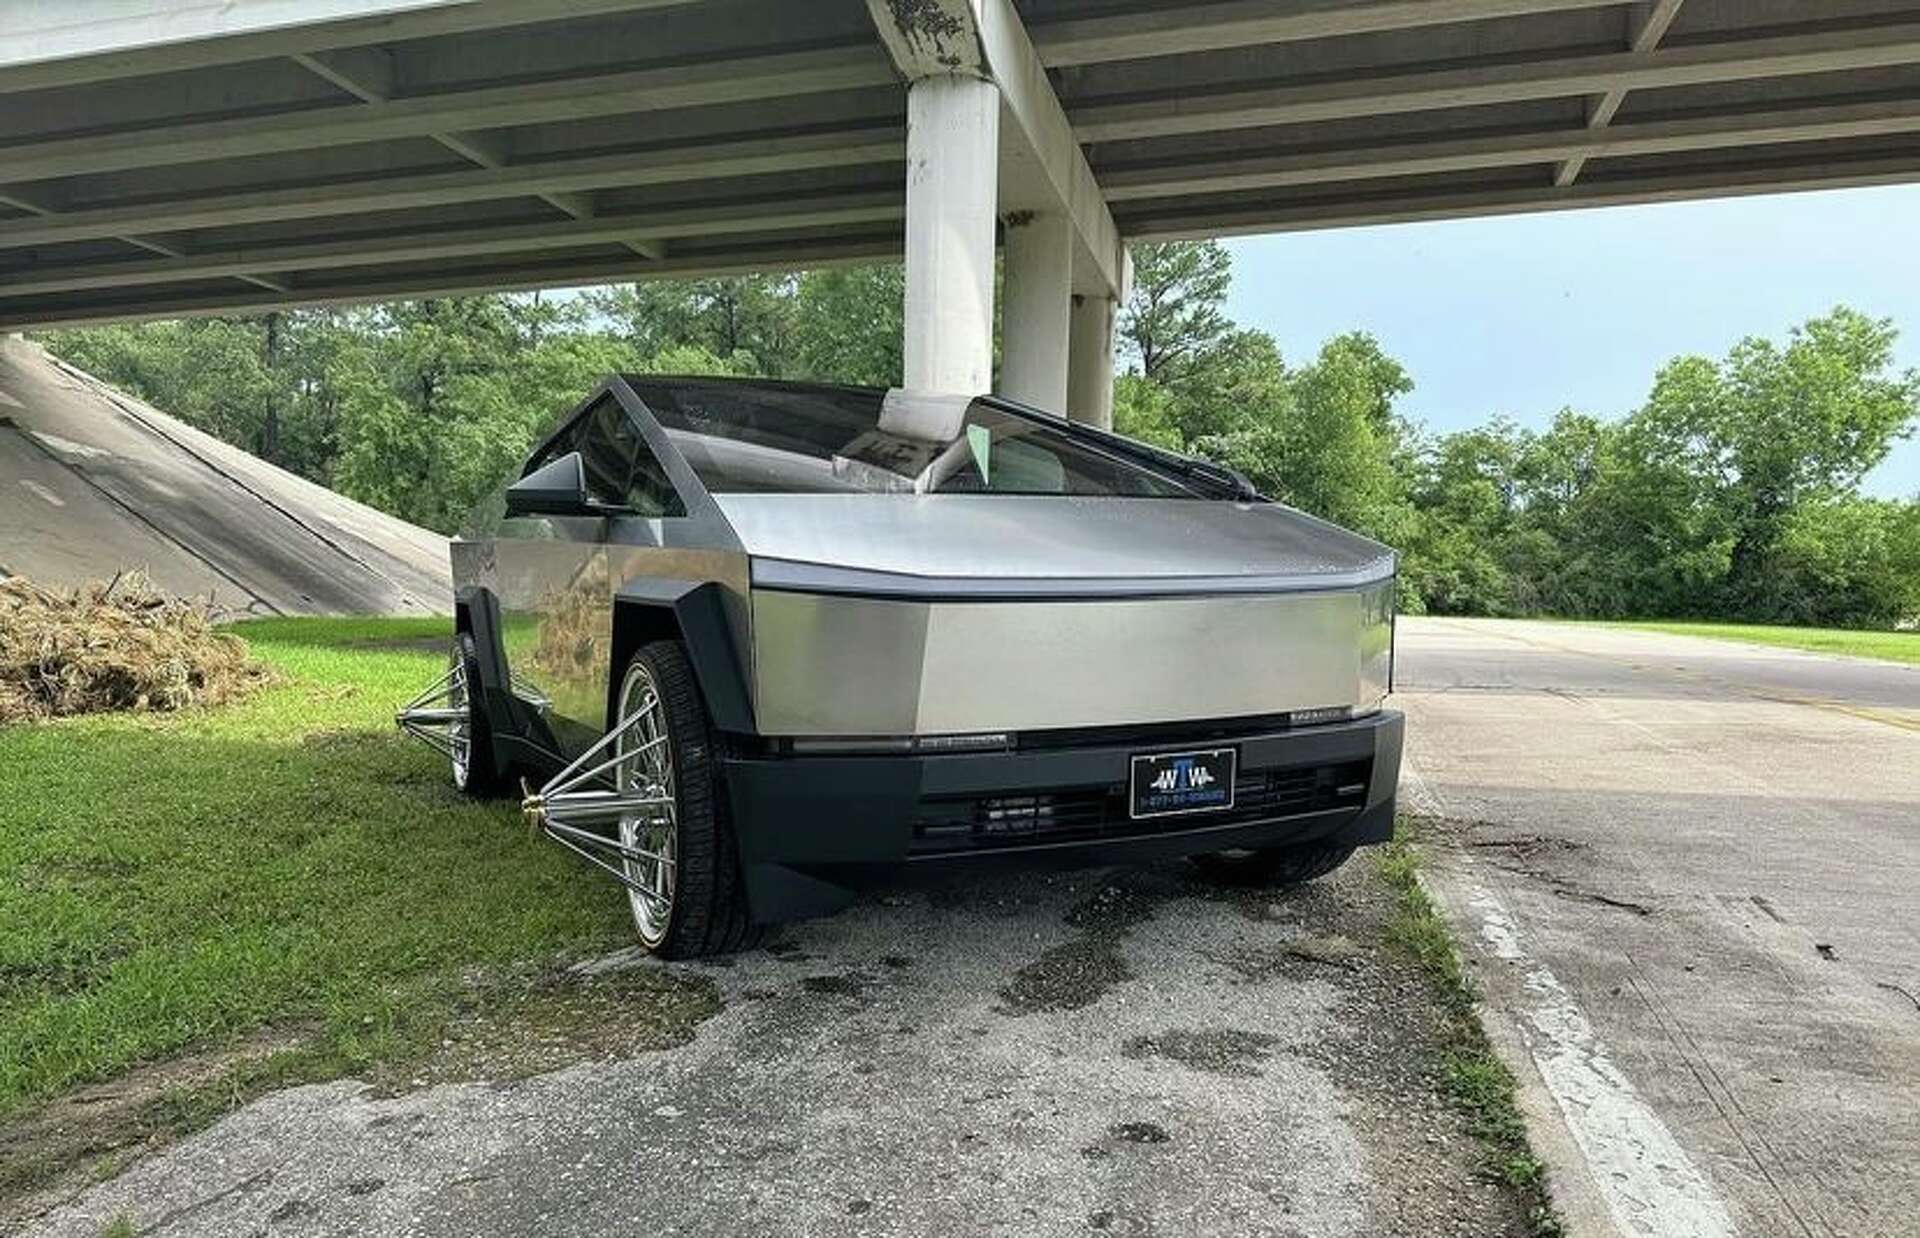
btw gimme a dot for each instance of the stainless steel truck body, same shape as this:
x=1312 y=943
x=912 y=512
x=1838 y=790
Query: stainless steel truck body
x=765 y=642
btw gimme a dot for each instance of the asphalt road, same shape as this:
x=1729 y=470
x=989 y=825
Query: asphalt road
x=1120 y=1052
x=1689 y=875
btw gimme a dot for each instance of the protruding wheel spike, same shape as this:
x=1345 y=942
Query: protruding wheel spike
x=585 y=797
x=441 y=715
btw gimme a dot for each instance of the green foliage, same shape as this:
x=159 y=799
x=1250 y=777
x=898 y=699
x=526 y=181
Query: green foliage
x=189 y=879
x=1175 y=317
x=1846 y=642
x=1475 y=1079
x=1731 y=493
x=849 y=323
x=744 y=320
x=211 y=372
x=420 y=407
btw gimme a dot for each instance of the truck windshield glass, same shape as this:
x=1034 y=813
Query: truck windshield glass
x=789 y=439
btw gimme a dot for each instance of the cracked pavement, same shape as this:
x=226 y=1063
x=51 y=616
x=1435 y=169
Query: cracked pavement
x=1122 y=1051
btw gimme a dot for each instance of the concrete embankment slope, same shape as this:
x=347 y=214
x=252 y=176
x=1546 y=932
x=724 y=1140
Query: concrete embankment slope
x=93 y=482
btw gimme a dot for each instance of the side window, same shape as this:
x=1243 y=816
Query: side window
x=649 y=492
x=607 y=442
x=621 y=468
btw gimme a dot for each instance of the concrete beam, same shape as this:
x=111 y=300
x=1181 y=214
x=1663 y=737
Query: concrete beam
x=1389 y=94
x=642 y=90
x=49 y=43
x=1036 y=310
x=1090 y=369
x=1806 y=124
x=930 y=38
x=697 y=162
x=963 y=56
x=651 y=228
x=467 y=280
x=1178 y=30
x=953 y=140
x=1762 y=178
x=372 y=81
x=342 y=254
x=1650 y=22
x=35 y=207
x=1041 y=165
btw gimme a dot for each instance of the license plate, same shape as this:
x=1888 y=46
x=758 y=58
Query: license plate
x=1166 y=783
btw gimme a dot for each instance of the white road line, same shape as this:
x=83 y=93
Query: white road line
x=1649 y=1184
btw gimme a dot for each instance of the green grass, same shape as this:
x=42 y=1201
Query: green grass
x=174 y=883
x=1474 y=1078
x=1890 y=646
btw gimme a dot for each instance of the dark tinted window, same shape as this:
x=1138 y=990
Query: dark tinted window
x=751 y=437
x=620 y=468
x=649 y=493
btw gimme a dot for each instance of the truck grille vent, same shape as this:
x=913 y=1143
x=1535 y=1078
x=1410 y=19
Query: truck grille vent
x=961 y=823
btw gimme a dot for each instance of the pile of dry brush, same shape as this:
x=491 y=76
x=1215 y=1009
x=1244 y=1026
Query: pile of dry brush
x=119 y=645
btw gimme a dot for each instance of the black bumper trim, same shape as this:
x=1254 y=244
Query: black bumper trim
x=812 y=829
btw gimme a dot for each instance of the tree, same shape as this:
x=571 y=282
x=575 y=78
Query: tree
x=848 y=324
x=1340 y=438
x=746 y=320
x=1772 y=428
x=1176 y=315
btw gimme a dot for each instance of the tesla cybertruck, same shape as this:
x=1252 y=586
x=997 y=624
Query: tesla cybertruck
x=758 y=644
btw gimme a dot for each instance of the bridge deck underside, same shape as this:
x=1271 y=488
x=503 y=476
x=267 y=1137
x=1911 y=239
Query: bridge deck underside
x=464 y=148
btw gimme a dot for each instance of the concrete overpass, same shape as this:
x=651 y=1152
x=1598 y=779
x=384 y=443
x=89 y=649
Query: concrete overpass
x=167 y=157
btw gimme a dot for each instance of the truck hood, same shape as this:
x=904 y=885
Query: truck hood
x=1020 y=544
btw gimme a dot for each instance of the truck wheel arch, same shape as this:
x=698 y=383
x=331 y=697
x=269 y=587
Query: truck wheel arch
x=694 y=613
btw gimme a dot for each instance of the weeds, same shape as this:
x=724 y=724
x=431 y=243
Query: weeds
x=1474 y=1078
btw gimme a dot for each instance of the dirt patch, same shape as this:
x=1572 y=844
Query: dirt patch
x=501 y=1028
x=92 y=1131
x=1330 y=950
x=1066 y=977
x=845 y=984
x=514 y=1030
x=1141 y=1132
x=116 y=646
x=1217 y=1051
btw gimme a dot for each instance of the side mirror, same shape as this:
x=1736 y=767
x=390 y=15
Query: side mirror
x=556 y=489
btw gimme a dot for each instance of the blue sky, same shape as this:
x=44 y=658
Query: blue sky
x=1524 y=315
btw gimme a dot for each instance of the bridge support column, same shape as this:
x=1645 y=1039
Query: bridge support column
x=1038 y=305
x=1090 y=371
x=953 y=181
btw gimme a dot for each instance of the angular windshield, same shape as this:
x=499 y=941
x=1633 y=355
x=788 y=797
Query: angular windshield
x=800 y=439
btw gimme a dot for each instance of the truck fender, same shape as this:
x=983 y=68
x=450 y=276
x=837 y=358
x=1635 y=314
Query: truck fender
x=694 y=613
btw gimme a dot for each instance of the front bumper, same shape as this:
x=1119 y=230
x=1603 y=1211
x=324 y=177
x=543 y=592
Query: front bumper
x=814 y=829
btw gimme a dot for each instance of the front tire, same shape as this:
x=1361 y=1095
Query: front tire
x=690 y=901
x=1274 y=866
